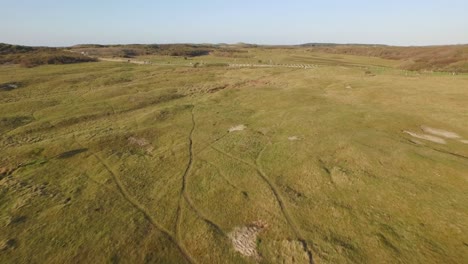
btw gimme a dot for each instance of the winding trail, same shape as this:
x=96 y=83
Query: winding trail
x=139 y=207
x=184 y=177
x=284 y=210
x=183 y=192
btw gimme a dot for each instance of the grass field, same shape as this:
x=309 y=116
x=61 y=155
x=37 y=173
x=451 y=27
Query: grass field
x=351 y=161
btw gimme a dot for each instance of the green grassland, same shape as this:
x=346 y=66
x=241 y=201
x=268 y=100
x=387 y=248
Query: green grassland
x=112 y=162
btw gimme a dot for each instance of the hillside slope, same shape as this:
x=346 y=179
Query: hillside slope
x=433 y=58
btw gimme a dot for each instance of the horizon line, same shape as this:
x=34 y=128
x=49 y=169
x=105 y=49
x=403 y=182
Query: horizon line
x=237 y=43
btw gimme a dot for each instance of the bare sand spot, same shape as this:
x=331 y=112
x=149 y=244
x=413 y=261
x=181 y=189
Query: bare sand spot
x=427 y=137
x=339 y=176
x=141 y=142
x=237 y=128
x=464 y=141
x=440 y=132
x=293 y=138
x=349 y=87
x=138 y=141
x=244 y=239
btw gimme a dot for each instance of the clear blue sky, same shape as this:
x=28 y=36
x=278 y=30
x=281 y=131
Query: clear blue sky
x=397 y=22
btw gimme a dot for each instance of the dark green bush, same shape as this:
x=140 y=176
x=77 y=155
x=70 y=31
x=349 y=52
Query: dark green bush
x=43 y=58
x=35 y=56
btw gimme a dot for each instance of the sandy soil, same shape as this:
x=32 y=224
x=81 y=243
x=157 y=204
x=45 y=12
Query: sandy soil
x=237 y=128
x=439 y=132
x=244 y=239
x=141 y=142
x=427 y=137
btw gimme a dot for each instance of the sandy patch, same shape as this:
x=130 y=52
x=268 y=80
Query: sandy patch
x=439 y=132
x=339 y=176
x=294 y=138
x=464 y=141
x=237 y=128
x=141 y=142
x=349 y=87
x=138 y=141
x=427 y=137
x=244 y=239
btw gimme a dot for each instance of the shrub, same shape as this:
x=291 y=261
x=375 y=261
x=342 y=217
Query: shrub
x=129 y=53
x=32 y=56
x=42 y=58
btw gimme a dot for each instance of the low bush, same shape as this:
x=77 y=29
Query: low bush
x=42 y=58
x=35 y=56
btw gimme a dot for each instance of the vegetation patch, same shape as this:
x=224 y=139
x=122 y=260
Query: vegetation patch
x=13 y=122
x=31 y=57
x=131 y=51
x=436 y=58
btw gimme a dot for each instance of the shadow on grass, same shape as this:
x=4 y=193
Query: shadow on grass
x=71 y=153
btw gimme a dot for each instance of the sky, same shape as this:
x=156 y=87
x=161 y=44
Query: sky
x=392 y=22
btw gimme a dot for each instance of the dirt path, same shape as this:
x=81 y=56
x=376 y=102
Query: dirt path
x=124 y=60
x=232 y=65
x=284 y=210
x=300 y=66
x=184 y=176
x=184 y=196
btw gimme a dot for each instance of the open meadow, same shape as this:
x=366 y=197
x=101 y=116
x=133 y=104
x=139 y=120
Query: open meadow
x=233 y=157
